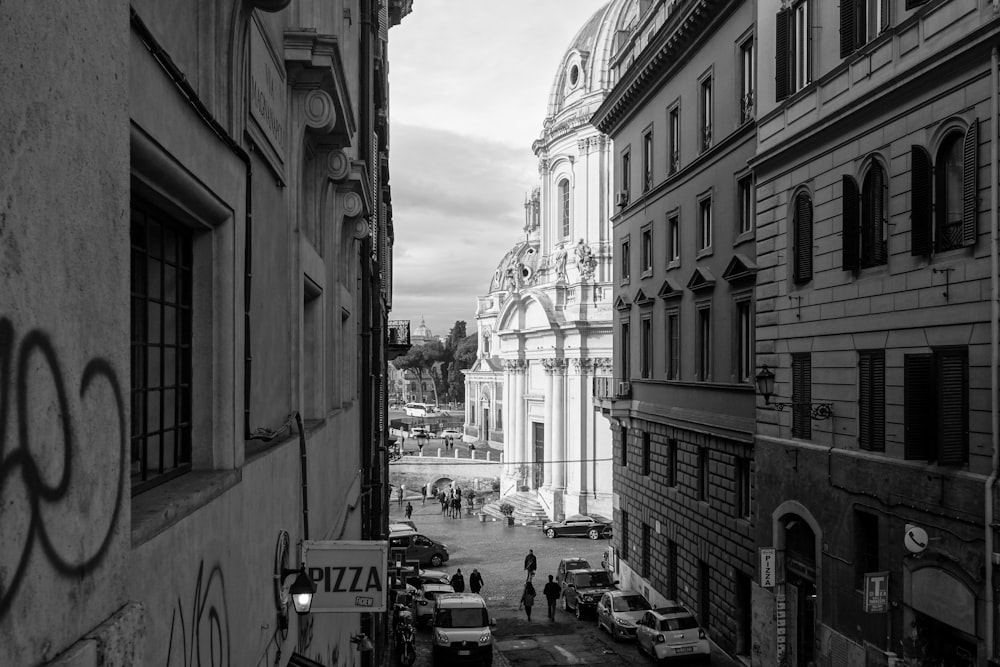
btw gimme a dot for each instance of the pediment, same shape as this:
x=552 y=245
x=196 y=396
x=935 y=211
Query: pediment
x=701 y=279
x=642 y=300
x=622 y=304
x=740 y=268
x=670 y=290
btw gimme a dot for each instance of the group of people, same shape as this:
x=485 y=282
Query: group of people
x=551 y=590
x=457 y=581
x=451 y=502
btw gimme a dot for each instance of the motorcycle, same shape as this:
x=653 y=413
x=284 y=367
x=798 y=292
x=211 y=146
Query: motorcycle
x=406 y=652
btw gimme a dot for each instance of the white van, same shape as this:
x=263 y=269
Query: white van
x=463 y=630
x=419 y=409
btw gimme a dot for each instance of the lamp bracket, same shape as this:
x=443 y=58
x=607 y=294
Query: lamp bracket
x=817 y=411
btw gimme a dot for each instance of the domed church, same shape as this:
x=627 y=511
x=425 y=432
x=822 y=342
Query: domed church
x=545 y=325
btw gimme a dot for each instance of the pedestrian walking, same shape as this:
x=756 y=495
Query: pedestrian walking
x=423 y=494
x=552 y=591
x=475 y=581
x=409 y=510
x=530 y=564
x=527 y=598
x=456 y=507
x=420 y=446
x=458 y=581
x=443 y=499
x=400 y=496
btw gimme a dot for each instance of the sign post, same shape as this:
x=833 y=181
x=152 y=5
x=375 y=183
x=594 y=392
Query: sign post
x=350 y=576
x=876 y=592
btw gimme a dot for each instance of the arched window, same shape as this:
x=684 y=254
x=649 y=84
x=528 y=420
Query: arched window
x=865 y=220
x=948 y=186
x=944 y=194
x=564 y=206
x=802 y=237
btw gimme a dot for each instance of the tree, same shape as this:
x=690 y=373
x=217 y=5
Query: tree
x=420 y=360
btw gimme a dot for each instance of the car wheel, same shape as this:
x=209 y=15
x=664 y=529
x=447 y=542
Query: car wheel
x=436 y=560
x=550 y=533
x=593 y=533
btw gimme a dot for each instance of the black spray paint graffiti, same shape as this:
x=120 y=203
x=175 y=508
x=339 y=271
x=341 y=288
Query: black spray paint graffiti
x=21 y=460
x=206 y=641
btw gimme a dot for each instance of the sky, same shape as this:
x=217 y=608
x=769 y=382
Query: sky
x=469 y=82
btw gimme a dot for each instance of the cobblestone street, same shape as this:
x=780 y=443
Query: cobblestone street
x=498 y=551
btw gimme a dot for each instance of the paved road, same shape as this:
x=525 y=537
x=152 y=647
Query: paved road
x=498 y=551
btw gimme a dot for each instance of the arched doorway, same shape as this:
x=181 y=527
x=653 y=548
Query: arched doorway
x=800 y=590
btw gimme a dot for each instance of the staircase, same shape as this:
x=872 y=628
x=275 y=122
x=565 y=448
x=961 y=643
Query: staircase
x=527 y=509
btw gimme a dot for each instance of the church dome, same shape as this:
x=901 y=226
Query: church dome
x=422 y=330
x=522 y=259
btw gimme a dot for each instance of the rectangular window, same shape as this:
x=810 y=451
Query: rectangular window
x=745 y=192
x=861 y=21
x=672 y=567
x=564 y=206
x=744 y=341
x=624 y=555
x=674 y=144
x=626 y=260
x=161 y=337
x=673 y=345
x=705 y=229
x=704 y=343
x=647 y=249
x=801 y=46
x=936 y=406
x=801 y=395
x=647 y=160
x=647 y=346
x=674 y=239
x=865 y=546
x=646 y=453
x=623 y=434
x=626 y=352
x=747 y=79
x=647 y=549
x=704 y=594
x=626 y=169
x=705 y=112
x=672 y=446
x=742 y=487
x=871 y=400
x=703 y=473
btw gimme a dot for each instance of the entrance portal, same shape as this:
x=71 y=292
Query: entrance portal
x=538 y=438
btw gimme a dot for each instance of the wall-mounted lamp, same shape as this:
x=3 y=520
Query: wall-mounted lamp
x=363 y=643
x=765 y=386
x=300 y=592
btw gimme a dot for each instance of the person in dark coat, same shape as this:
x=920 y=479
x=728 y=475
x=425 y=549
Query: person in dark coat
x=530 y=564
x=458 y=581
x=527 y=598
x=475 y=581
x=409 y=510
x=552 y=591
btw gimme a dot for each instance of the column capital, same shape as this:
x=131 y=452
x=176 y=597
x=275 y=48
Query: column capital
x=515 y=365
x=555 y=366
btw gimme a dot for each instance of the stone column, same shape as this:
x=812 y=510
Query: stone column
x=549 y=427
x=517 y=447
x=558 y=400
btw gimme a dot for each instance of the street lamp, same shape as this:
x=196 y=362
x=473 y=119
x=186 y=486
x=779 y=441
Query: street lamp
x=765 y=387
x=301 y=591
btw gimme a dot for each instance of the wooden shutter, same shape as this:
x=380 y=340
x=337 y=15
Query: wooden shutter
x=847 y=27
x=953 y=407
x=801 y=393
x=803 y=238
x=871 y=401
x=850 y=232
x=876 y=223
x=918 y=406
x=781 y=70
x=913 y=4
x=970 y=197
x=920 y=202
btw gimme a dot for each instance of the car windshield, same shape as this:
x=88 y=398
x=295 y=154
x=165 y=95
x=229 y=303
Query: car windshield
x=462 y=618
x=678 y=623
x=591 y=580
x=577 y=564
x=630 y=603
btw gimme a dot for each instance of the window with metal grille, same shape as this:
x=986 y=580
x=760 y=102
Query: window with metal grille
x=748 y=76
x=705 y=113
x=564 y=205
x=161 y=286
x=871 y=400
x=802 y=241
x=802 y=395
x=646 y=454
x=936 y=406
x=866 y=539
x=647 y=549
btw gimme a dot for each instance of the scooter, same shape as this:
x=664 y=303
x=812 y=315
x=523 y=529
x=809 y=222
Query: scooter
x=405 y=650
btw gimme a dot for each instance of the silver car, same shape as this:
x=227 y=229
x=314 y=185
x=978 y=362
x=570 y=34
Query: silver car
x=671 y=632
x=618 y=612
x=423 y=601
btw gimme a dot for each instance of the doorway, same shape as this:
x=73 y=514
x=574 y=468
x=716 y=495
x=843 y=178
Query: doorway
x=538 y=468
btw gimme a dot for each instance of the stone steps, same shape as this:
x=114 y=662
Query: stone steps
x=527 y=509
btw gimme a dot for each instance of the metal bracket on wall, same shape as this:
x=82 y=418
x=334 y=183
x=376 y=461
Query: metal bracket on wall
x=947 y=279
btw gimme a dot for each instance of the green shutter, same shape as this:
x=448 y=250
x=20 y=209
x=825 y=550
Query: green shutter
x=918 y=406
x=953 y=407
x=920 y=201
x=850 y=232
x=970 y=196
x=781 y=70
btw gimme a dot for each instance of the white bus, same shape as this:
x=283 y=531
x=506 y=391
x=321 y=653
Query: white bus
x=419 y=409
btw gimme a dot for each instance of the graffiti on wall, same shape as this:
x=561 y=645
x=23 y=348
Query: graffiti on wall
x=200 y=638
x=30 y=373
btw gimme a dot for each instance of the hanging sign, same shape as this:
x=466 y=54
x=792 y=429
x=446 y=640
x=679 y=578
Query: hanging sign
x=876 y=592
x=349 y=575
x=767 y=563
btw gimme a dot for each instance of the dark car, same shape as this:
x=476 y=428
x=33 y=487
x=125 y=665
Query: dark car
x=581 y=589
x=593 y=526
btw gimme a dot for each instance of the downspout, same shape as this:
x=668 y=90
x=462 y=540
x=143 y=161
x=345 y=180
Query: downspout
x=994 y=353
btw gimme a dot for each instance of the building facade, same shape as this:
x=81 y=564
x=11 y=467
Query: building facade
x=681 y=398
x=545 y=325
x=876 y=210
x=190 y=385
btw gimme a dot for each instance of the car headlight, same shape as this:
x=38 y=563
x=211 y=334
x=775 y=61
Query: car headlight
x=622 y=621
x=659 y=639
x=485 y=637
x=441 y=638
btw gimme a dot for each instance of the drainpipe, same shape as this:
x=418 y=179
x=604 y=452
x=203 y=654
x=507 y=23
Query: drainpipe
x=994 y=353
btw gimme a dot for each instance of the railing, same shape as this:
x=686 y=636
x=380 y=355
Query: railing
x=612 y=388
x=747 y=107
x=399 y=332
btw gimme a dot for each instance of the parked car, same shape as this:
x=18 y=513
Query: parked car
x=428 y=577
x=581 y=589
x=671 y=632
x=463 y=630
x=593 y=526
x=423 y=601
x=401 y=526
x=421 y=432
x=419 y=547
x=570 y=563
x=450 y=433
x=618 y=612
